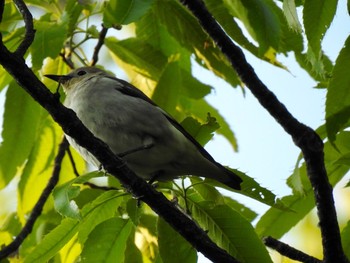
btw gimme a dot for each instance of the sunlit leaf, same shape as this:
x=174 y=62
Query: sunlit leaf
x=200 y=108
x=143 y=57
x=48 y=42
x=64 y=194
x=21 y=122
x=345 y=238
x=259 y=19
x=173 y=248
x=190 y=35
x=38 y=167
x=120 y=12
x=315 y=29
x=291 y=15
x=201 y=132
x=53 y=241
x=107 y=242
x=99 y=210
x=338 y=99
x=231 y=231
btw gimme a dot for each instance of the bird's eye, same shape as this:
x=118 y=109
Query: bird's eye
x=81 y=72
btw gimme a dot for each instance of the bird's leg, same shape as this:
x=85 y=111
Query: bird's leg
x=154 y=178
x=137 y=149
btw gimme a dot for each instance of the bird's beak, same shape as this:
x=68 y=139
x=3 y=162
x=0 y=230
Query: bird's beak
x=59 y=78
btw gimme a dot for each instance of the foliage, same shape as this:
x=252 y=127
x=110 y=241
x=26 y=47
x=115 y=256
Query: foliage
x=156 y=43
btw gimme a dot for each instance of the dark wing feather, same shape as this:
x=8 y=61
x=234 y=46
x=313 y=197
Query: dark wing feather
x=128 y=89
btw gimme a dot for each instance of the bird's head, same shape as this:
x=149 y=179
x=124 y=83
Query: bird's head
x=79 y=75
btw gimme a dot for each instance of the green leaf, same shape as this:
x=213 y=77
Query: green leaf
x=338 y=97
x=259 y=19
x=166 y=93
x=246 y=212
x=64 y=203
x=315 y=29
x=99 y=210
x=200 y=108
x=221 y=13
x=48 y=42
x=72 y=12
x=203 y=133
x=231 y=231
x=53 y=241
x=254 y=190
x=92 y=214
x=39 y=166
x=345 y=238
x=206 y=192
x=143 y=58
x=121 y=12
x=189 y=34
x=64 y=194
x=132 y=253
x=290 y=12
x=173 y=248
x=318 y=68
x=21 y=123
x=107 y=242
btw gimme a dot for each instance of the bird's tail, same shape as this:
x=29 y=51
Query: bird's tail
x=231 y=179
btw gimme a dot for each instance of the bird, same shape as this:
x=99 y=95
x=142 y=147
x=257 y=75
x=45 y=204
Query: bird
x=153 y=144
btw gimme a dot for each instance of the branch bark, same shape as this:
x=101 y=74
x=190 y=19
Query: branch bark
x=303 y=136
x=289 y=251
x=72 y=126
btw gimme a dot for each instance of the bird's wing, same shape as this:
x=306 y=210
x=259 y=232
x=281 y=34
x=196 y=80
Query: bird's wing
x=128 y=89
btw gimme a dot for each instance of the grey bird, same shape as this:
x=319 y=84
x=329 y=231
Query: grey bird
x=152 y=143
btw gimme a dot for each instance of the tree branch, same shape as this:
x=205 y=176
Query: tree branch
x=101 y=40
x=73 y=127
x=304 y=137
x=36 y=212
x=289 y=251
x=30 y=31
x=76 y=173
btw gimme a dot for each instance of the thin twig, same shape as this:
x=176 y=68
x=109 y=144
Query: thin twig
x=101 y=40
x=304 y=137
x=71 y=159
x=76 y=173
x=67 y=60
x=36 y=212
x=30 y=31
x=289 y=251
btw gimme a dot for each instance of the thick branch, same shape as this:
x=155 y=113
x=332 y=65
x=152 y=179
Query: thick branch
x=30 y=32
x=289 y=251
x=36 y=212
x=304 y=137
x=73 y=127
